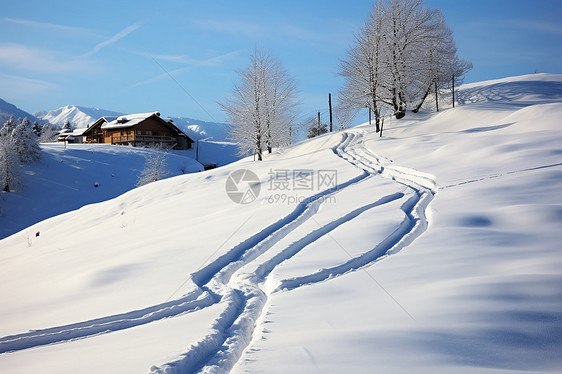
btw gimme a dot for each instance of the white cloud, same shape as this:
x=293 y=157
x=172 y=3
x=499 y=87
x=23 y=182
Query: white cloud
x=49 y=26
x=539 y=26
x=21 y=57
x=15 y=87
x=115 y=38
x=184 y=59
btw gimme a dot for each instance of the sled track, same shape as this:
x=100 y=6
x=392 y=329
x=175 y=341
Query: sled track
x=226 y=282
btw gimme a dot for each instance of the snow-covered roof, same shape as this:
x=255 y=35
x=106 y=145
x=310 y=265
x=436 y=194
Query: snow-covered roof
x=128 y=120
x=79 y=132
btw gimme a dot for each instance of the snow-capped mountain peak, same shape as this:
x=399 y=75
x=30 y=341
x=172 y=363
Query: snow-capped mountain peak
x=78 y=116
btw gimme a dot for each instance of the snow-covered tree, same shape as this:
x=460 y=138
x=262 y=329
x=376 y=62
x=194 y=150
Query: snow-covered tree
x=67 y=127
x=25 y=142
x=36 y=129
x=315 y=128
x=261 y=106
x=8 y=127
x=49 y=134
x=441 y=62
x=154 y=167
x=365 y=68
x=404 y=50
x=9 y=165
x=345 y=114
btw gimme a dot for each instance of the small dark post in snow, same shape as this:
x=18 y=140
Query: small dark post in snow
x=318 y=132
x=330 y=105
x=382 y=125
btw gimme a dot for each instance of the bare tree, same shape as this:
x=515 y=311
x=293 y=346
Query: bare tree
x=155 y=167
x=345 y=114
x=261 y=107
x=364 y=68
x=404 y=50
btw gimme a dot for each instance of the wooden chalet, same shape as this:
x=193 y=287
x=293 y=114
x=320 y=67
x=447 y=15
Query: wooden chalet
x=137 y=130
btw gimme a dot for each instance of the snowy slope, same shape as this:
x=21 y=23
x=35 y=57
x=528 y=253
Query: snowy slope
x=202 y=129
x=65 y=179
x=78 y=116
x=438 y=252
x=214 y=144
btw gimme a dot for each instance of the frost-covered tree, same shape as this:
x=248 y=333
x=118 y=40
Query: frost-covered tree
x=9 y=166
x=345 y=114
x=49 y=134
x=261 y=107
x=25 y=142
x=8 y=127
x=316 y=128
x=36 y=129
x=365 y=68
x=155 y=167
x=441 y=63
x=67 y=127
x=404 y=50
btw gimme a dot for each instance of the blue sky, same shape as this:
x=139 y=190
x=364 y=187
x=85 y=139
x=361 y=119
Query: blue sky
x=112 y=54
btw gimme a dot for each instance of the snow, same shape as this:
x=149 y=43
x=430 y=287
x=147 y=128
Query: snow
x=438 y=252
x=128 y=120
x=65 y=179
x=78 y=116
x=198 y=129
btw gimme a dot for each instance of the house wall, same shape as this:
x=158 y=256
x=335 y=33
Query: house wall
x=154 y=126
x=149 y=131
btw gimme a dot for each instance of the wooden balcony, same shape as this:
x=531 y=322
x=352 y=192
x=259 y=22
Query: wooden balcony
x=142 y=139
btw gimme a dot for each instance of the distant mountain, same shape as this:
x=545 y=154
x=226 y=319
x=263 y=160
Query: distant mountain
x=198 y=129
x=7 y=110
x=78 y=116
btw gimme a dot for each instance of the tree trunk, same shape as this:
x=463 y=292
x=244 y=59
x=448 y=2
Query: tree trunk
x=398 y=104
x=330 y=105
x=377 y=116
x=258 y=148
x=418 y=107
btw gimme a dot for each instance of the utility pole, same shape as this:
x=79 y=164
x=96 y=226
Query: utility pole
x=330 y=105
x=436 y=98
x=453 y=81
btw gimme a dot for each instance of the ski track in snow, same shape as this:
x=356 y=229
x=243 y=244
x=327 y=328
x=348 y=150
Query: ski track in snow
x=240 y=293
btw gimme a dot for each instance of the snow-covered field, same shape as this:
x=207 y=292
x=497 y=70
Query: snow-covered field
x=438 y=252
x=67 y=178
